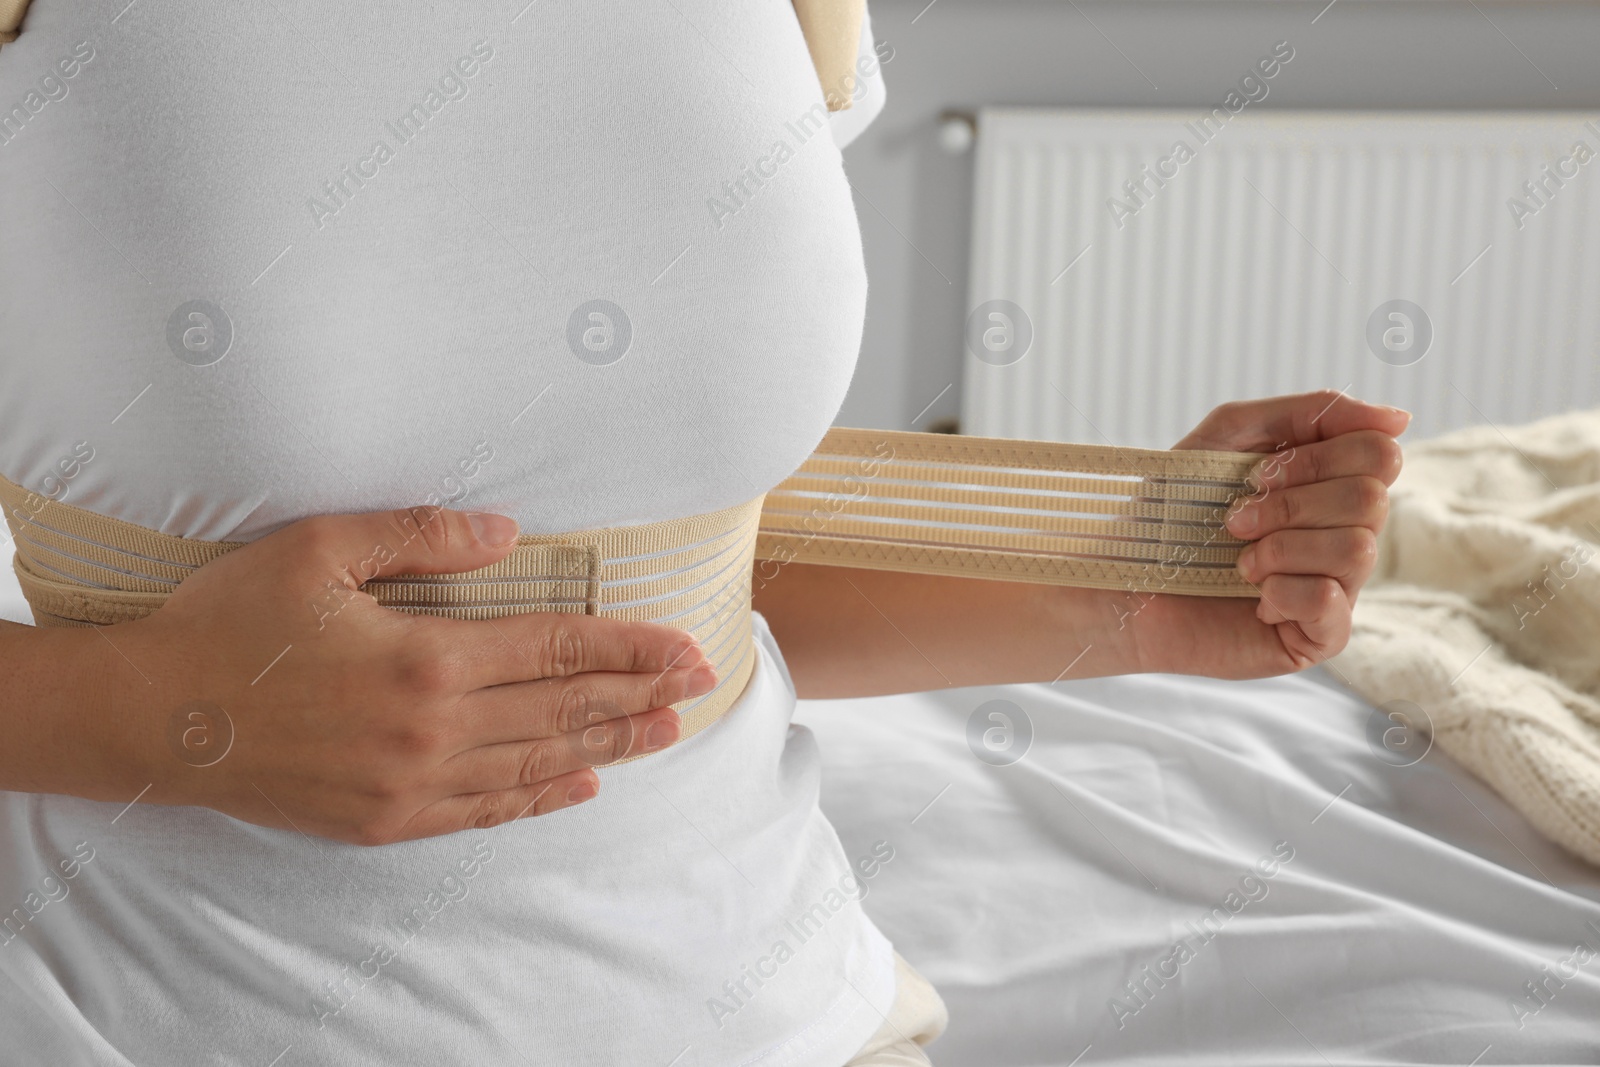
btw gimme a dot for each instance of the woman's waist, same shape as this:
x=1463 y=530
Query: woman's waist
x=78 y=567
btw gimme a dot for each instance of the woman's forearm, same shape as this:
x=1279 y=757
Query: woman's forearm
x=65 y=730
x=847 y=632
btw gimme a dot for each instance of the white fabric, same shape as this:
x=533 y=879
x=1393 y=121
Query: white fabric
x=1414 y=909
x=657 y=157
x=1484 y=615
x=407 y=340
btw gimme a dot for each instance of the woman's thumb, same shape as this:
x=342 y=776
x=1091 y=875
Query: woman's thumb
x=419 y=540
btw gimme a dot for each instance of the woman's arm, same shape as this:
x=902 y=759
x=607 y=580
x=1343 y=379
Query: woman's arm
x=848 y=632
x=60 y=718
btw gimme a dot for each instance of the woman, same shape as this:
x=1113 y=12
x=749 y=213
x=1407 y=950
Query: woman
x=281 y=275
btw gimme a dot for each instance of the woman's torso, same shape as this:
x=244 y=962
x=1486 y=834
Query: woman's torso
x=649 y=156
x=583 y=265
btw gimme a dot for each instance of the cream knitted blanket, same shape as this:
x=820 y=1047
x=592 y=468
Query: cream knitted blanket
x=1485 y=613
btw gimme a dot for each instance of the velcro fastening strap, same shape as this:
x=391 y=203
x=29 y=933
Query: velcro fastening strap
x=556 y=577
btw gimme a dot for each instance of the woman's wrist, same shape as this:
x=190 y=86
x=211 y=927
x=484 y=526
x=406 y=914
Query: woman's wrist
x=1094 y=626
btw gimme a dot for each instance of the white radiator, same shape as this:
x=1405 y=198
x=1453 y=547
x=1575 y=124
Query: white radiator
x=1264 y=261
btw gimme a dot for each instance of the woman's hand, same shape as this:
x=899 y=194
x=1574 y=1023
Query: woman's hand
x=1313 y=525
x=370 y=725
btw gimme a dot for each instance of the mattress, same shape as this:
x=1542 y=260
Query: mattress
x=1183 y=870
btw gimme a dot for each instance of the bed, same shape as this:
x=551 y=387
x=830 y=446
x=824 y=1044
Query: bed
x=1046 y=898
x=1409 y=917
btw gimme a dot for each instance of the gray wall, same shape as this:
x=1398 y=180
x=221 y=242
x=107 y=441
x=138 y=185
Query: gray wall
x=913 y=198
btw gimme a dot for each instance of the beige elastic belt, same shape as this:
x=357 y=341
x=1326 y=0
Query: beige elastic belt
x=1031 y=511
x=1022 y=511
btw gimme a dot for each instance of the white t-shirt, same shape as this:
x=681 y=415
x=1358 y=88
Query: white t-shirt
x=586 y=265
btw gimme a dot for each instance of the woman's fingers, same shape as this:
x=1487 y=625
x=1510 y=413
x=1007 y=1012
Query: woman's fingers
x=527 y=763
x=1288 y=421
x=1320 y=501
x=1311 y=613
x=526 y=711
x=1364 y=453
x=480 y=811
x=543 y=644
x=1346 y=554
x=1358 y=501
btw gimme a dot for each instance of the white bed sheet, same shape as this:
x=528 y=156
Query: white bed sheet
x=1403 y=930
